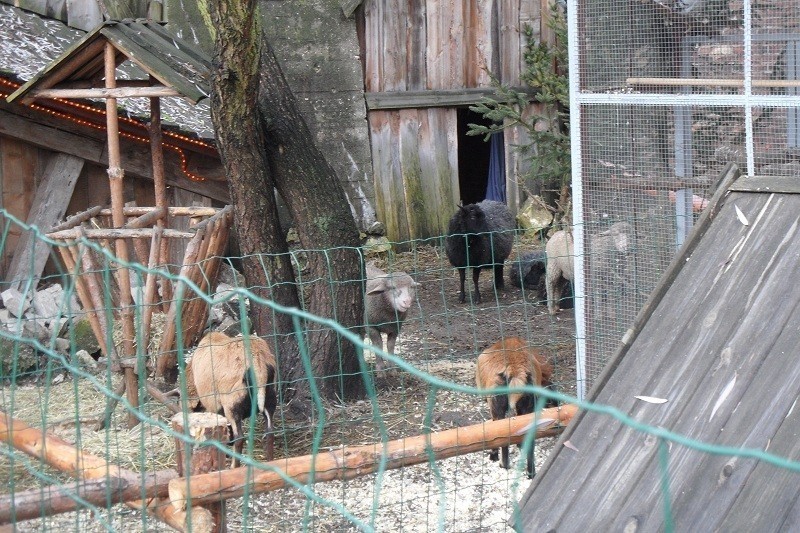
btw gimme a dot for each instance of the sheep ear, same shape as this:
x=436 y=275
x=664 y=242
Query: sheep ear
x=416 y=284
x=376 y=290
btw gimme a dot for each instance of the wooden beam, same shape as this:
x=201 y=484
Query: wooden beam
x=119 y=92
x=176 y=211
x=349 y=462
x=57 y=499
x=49 y=205
x=438 y=98
x=135 y=161
x=89 y=84
x=710 y=82
x=767 y=184
x=63 y=456
x=118 y=233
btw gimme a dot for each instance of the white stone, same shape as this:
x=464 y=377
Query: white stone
x=15 y=302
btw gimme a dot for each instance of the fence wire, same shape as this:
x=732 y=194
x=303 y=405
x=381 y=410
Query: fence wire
x=55 y=380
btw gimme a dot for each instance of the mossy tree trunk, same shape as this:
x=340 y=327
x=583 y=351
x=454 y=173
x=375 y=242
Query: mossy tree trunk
x=265 y=144
x=324 y=222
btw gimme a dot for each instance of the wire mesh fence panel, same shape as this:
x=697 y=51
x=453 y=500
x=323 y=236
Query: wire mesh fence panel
x=665 y=95
x=60 y=379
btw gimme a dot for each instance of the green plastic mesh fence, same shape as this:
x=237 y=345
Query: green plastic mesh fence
x=58 y=378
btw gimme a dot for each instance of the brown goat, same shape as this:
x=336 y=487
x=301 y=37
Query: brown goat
x=512 y=363
x=220 y=370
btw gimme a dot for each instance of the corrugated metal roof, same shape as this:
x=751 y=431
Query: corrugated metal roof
x=719 y=341
x=170 y=61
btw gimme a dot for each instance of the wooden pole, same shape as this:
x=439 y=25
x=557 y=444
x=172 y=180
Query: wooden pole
x=118 y=233
x=64 y=457
x=57 y=499
x=68 y=255
x=160 y=187
x=149 y=302
x=193 y=460
x=167 y=360
x=173 y=211
x=350 y=462
x=89 y=273
x=115 y=177
x=78 y=219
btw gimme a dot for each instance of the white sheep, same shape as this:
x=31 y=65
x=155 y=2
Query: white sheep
x=604 y=248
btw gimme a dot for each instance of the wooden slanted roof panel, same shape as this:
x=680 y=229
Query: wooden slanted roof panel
x=31 y=46
x=162 y=56
x=721 y=346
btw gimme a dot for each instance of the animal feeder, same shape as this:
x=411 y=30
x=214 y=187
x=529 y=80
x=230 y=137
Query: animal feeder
x=132 y=235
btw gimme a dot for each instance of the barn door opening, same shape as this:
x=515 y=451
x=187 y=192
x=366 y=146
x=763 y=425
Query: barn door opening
x=481 y=168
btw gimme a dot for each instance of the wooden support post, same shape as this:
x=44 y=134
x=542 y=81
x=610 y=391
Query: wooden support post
x=194 y=460
x=159 y=181
x=105 y=422
x=115 y=176
x=349 y=462
x=63 y=456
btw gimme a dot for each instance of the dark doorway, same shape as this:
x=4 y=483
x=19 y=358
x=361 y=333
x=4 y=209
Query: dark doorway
x=473 y=158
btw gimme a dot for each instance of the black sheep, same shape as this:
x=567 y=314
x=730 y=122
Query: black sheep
x=528 y=271
x=480 y=236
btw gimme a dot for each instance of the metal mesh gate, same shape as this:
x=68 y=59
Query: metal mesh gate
x=664 y=94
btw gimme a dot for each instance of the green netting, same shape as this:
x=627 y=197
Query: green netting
x=63 y=389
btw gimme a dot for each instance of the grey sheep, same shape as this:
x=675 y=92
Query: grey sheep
x=389 y=297
x=603 y=249
x=480 y=236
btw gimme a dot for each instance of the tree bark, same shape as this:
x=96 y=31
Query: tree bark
x=324 y=222
x=240 y=142
x=265 y=144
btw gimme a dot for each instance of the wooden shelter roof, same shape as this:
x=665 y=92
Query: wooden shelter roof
x=170 y=61
x=718 y=340
x=30 y=43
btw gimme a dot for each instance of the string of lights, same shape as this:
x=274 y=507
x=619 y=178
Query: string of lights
x=7 y=87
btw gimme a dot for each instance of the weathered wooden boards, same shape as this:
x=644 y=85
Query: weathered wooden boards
x=432 y=49
x=49 y=206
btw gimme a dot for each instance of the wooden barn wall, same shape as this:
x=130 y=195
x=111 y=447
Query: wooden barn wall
x=18 y=171
x=434 y=45
x=21 y=167
x=413 y=151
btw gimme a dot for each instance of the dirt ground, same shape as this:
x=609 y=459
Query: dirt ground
x=441 y=338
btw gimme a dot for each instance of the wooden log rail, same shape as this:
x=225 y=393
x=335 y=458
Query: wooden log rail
x=64 y=457
x=350 y=462
x=347 y=462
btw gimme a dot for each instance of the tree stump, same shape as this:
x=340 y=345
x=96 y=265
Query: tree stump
x=199 y=457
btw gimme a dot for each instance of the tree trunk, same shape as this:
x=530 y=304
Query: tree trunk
x=273 y=148
x=240 y=139
x=324 y=222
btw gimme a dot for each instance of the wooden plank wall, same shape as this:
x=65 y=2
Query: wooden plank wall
x=18 y=171
x=429 y=45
